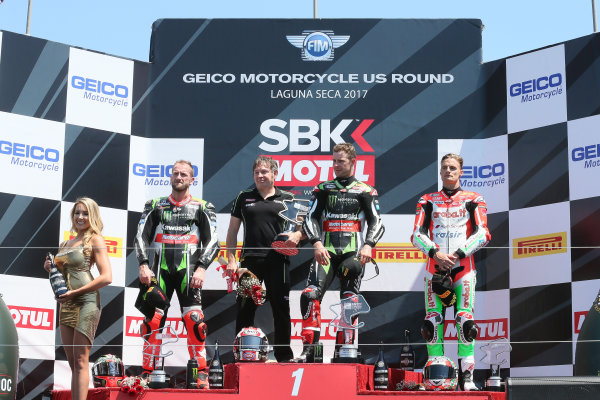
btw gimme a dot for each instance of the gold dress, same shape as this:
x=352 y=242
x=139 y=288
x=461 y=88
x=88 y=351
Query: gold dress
x=81 y=313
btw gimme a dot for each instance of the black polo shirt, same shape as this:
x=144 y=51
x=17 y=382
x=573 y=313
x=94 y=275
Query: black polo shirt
x=261 y=219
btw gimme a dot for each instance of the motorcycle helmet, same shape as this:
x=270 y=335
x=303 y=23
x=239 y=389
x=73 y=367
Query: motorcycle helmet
x=251 y=344
x=108 y=371
x=440 y=373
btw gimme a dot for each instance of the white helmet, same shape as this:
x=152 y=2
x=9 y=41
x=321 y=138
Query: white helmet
x=440 y=373
x=251 y=344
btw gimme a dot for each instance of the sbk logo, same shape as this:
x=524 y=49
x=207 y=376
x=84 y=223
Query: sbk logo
x=300 y=135
x=32 y=318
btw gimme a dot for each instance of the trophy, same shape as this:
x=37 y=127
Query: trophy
x=293 y=214
x=158 y=378
x=493 y=356
x=350 y=307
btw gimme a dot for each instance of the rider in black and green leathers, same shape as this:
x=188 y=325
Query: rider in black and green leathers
x=338 y=211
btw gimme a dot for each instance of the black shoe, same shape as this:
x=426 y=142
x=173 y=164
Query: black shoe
x=307 y=355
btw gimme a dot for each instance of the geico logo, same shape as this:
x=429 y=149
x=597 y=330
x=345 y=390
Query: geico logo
x=133 y=325
x=156 y=170
x=301 y=134
x=6 y=384
x=208 y=78
x=532 y=246
x=483 y=171
x=29 y=151
x=578 y=318
x=448 y=235
x=32 y=318
x=533 y=85
x=93 y=85
x=327 y=332
x=489 y=329
x=450 y=214
x=311 y=170
x=585 y=153
x=397 y=253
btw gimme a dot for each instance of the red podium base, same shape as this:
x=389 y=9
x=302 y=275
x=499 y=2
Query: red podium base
x=296 y=381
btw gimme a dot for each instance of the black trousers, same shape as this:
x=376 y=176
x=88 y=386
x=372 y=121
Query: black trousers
x=274 y=272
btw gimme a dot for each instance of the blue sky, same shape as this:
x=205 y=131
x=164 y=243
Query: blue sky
x=123 y=27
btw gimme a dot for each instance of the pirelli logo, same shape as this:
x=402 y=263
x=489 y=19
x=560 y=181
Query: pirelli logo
x=397 y=253
x=532 y=246
x=223 y=251
x=114 y=245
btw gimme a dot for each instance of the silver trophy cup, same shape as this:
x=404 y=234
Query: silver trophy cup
x=349 y=308
x=293 y=214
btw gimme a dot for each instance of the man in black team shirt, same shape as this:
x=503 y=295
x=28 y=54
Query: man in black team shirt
x=259 y=209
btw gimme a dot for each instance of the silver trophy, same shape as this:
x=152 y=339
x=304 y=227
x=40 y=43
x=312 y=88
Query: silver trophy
x=293 y=214
x=158 y=378
x=494 y=351
x=349 y=307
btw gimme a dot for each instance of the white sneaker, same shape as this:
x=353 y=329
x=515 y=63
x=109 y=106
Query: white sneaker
x=467 y=366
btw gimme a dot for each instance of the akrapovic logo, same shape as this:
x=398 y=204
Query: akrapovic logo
x=397 y=253
x=317 y=45
x=32 y=318
x=540 y=245
x=489 y=329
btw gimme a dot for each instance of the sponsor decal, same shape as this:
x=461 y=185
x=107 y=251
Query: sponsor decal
x=460 y=213
x=114 y=94
x=397 y=253
x=30 y=155
x=341 y=226
x=114 y=245
x=157 y=174
x=310 y=170
x=535 y=89
x=32 y=318
x=467 y=293
x=6 y=384
x=317 y=45
x=483 y=175
x=169 y=238
x=133 y=326
x=578 y=318
x=588 y=154
x=327 y=332
x=223 y=251
x=540 y=245
x=489 y=329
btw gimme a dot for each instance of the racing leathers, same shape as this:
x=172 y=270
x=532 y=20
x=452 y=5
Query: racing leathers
x=178 y=237
x=338 y=211
x=452 y=222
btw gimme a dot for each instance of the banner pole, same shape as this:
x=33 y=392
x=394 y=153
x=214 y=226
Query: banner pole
x=315 y=7
x=28 y=18
x=593 y=15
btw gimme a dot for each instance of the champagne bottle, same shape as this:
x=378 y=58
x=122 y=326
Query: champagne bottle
x=407 y=356
x=216 y=373
x=57 y=280
x=587 y=352
x=9 y=354
x=380 y=371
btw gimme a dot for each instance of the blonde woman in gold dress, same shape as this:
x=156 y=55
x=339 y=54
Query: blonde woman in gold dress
x=80 y=306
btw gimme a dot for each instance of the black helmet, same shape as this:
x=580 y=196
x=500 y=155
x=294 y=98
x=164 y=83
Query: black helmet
x=350 y=268
x=108 y=371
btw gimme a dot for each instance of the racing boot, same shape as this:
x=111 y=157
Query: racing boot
x=307 y=355
x=466 y=367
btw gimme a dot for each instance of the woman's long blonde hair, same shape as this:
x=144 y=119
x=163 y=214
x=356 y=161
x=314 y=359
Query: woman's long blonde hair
x=96 y=224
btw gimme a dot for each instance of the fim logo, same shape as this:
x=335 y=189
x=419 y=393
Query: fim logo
x=317 y=45
x=541 y=245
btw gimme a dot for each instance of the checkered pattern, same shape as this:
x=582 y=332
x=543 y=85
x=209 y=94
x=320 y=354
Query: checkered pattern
x=535 y=150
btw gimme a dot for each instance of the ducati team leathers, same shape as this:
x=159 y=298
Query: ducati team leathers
x=451 y=222
x=179 y=237
x=338 y=211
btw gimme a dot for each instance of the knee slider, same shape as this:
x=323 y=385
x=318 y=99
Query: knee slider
x=429 y=329
x=468 y=328
x=195 y=325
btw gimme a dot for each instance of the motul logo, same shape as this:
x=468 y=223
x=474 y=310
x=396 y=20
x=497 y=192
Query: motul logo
x=578 y=318
x=489 y=329
x=311 y=170
x=300 y=135
x=541 y=245
x=397 y=253
x=32 y=318
x=327 y=332
x=133 y=325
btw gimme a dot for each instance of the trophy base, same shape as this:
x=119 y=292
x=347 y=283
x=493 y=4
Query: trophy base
x=158 y=379
x=348 y=354
x=494 y=384
x=279 y=246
